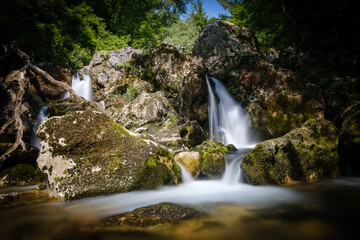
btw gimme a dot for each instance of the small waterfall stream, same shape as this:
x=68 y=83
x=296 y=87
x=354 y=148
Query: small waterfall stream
x=83 y=87
x=228 y=124
x=42 y=116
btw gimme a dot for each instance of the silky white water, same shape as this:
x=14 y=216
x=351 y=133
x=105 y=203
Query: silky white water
x=225 y=190
x=228 y=122
x=83 y=87
x=42 y=116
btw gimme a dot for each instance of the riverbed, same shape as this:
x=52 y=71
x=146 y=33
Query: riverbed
x=325 y=209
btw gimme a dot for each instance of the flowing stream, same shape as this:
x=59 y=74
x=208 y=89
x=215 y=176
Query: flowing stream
x=228 y=125
x=83 y=87
x=236 y=210
x=42 y=116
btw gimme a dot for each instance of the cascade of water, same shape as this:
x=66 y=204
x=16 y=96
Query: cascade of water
x=186 y=176
x=228 y=124
x=228 y=121
x=42 y=116
x=83 y=87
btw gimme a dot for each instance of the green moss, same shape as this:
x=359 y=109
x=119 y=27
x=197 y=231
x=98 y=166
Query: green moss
x=212 y=160
x=22 y=174
x=160 y=169
x=118 y=128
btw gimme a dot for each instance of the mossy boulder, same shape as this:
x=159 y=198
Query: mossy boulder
x=276 y=100
x=21 y=174
x=212 y=159
x=349 y=142
x=305 y=153
x=205 y=160
x=88 y=154
x=162 y=213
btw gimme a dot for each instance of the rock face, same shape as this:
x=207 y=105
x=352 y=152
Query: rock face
x=305 y=153
x=161 y=213
x=349 y=142
x=205 y=160
x=181 y=76
x=277 y=101
x=223 y=45
x=88 y=154
x=156 y=93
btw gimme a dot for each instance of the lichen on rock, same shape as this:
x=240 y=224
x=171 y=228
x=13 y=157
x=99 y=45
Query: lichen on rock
x=304 y=154
x=88 y=154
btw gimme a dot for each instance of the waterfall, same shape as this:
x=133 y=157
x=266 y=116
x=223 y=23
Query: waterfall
x=185 y=175
x=42 y=116
x=228 y=124
x=83 y=87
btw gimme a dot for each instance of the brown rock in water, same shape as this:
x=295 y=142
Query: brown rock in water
x=305 y=153
x=161 y=213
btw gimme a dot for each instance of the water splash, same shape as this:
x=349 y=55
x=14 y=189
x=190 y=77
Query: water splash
x=83 y=87
x=42 y=116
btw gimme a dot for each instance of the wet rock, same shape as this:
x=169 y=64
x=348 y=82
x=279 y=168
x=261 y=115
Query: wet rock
x=161 y=213
x=88 y=154
x=206 y=160
x=190 y=160
x=305 y=153
x=212 y=160
x=349 y=142
x=223 y=45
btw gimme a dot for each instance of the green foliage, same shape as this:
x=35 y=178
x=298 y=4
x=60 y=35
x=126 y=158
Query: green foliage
x=51 y=31
x=181 y=33
x=198 y=15
x=132 y=92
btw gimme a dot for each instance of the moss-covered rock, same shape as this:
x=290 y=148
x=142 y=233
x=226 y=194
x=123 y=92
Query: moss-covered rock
x=88 y=154
x=305 y=153
x=161 y=213
x=276 y=100
x=349 y=142
x=21 y=174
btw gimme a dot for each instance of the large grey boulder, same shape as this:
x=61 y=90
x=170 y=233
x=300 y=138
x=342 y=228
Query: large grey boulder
x=222 y=45
x=87 y=154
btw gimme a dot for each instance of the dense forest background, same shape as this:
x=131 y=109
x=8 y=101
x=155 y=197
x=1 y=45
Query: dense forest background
x=70 y=31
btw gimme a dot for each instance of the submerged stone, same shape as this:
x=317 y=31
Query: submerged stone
x=161 y=213
x=305 y=153
x=88 y=154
